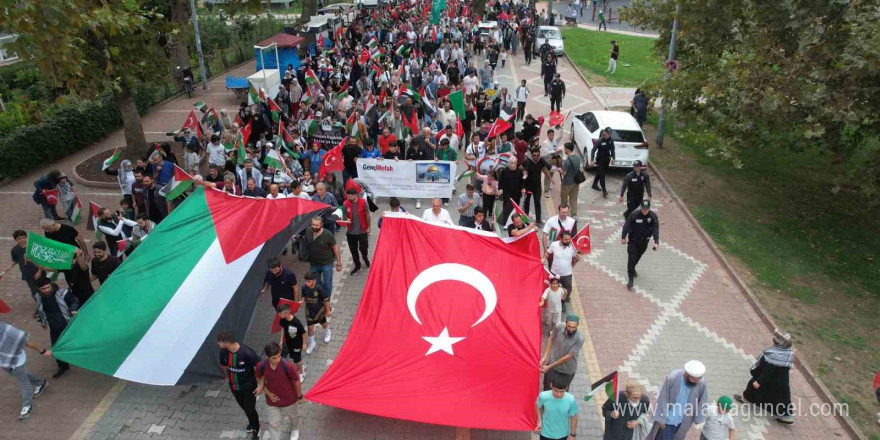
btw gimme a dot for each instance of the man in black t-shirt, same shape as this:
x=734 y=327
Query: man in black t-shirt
x=103 y=264
x=292 y=334
x=29 y=271
x=282 y=281
x=238 y=361
x=317 y=309
x=322 y=251
x=534 y=166
x=63 y=233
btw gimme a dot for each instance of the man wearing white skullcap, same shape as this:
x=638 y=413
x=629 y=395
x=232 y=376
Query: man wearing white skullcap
x=683 y=402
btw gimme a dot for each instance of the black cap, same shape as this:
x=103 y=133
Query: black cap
x=637 y=163
x=646 y=204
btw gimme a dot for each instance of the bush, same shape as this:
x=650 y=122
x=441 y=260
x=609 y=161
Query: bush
x=14 y=116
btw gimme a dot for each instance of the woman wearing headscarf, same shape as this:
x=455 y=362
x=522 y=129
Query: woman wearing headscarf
x=124 y=178
x=769 y=385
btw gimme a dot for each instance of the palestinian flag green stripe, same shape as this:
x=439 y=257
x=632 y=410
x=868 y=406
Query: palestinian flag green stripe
x=144 y=289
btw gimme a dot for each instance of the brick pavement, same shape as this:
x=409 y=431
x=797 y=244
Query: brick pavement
x=683 y=307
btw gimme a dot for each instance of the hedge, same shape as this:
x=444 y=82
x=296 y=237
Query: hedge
x=71 y=127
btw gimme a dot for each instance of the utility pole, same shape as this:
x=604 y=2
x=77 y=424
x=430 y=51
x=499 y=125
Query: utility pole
x=192 y=7
x=661 y=121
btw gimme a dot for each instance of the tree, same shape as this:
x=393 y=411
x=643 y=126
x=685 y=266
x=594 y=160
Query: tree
x=798 y=75
x=93 y=47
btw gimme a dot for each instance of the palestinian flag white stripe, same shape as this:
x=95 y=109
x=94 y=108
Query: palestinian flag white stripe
x=155 y=319
x=179 y=331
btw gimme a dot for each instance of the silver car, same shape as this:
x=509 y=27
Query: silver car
x=552 y=35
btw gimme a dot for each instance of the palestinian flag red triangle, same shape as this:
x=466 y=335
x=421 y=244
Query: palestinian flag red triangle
x=157 y=325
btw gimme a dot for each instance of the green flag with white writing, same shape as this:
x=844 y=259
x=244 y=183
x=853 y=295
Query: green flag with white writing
x=49 y=253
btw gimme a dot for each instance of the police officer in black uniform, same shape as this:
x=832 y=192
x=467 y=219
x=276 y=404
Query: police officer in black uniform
x=639 y=227
x=557 y=92
x=548 y=71
x=601 y=156
x=636 y=182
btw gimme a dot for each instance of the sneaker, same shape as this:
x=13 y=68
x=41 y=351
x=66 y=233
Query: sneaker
x=294 y=435
x=418 y=204
x=38 y=390
x=302 y=376
x=355 y=270
x=367 y=262
x=596 y=188
x=787 y=420
x=25 y=412
x=327 y=336
x=311 y=347
x=445 y=205
x=251 y=429
x=629 y=284
x=59 y=372
x=547 y=194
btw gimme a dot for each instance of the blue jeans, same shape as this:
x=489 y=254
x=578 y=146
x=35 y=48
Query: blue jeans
x=325 y=276
x=668 y=433
x=49 y=211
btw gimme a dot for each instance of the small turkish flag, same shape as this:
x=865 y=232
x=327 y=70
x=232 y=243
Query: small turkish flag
x=276 y=323
x=582 y=240
x=332 y=160
x=449 y=336
x=192 y=123
x=500 y=126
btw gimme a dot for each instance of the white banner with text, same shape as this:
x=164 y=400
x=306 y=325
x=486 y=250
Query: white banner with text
x=416 y=179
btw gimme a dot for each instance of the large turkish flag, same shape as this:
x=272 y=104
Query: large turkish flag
x=447 y=330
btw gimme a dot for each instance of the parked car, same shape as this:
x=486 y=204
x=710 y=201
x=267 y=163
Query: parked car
x=629 y=141
x=552 y=35
x=487 y=29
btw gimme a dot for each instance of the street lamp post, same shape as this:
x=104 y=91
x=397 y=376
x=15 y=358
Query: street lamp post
x=195 y=18
x=661 y=121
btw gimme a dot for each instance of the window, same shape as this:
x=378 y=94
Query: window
x=551 y=34
x=589 y=120
x=635 y=137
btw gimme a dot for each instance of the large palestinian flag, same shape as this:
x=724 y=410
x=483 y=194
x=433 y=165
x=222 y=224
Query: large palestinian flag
x=156 y=318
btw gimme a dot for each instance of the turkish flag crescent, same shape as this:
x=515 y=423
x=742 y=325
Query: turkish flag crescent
x=582 y=240
x=192 y=123
x=332 y=160
x=449 y=335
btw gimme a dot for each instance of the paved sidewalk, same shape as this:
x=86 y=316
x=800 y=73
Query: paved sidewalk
x=683 y=307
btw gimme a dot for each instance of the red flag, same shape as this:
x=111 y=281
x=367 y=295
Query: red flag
x=411 y=122
x=332 y=160
x=443 y=92
x=51 y=196
x=581 y=240
x=192 y=123
x=500 y=126
x=294 y=306
x=459 y=130
x=4 y=308
x=246 y=133
x=556 y=118
x=239 y=121
x=478 y=348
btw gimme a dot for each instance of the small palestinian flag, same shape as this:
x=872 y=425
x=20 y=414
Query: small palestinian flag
x=517 y=211
x=507 y=117
x=113 y=158
x=77 y=211
x=410 y=122
x=408 y=91
x=311 y=78
x=466 y=174
x=275 y=110
x=373 y=44
x=180 y=182
x=162 y=331
x=607 y=384
x=307 y=97
x=401 y=50
x=429 y=106
x=273 y=159
x=122 y=245
x=341 y=218
x=310 y=126
x=199 y=105
x=92 y=223
x=253 y=95
x=375 y=55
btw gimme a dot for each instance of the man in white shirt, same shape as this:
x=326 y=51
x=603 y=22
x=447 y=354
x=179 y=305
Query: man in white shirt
x=297 y=192
x=556 y=225
x=275 y=193
x=562 y=256
x=447 y=115
x=552 y=154
x=522 y=96
x=216 y=152
x=437 y=214
x=454 y=141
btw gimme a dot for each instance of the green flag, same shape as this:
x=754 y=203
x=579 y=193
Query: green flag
x=49 y=253
x=437 y=7
x=456 y=99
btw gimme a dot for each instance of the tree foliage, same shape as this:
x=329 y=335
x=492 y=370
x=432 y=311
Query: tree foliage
x=793 y=74
x=89 y=46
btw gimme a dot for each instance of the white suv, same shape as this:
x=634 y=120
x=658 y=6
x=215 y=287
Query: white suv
x=629 y=141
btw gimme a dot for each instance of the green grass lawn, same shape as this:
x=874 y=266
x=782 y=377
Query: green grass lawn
x=590 y=50
x=808 y=250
